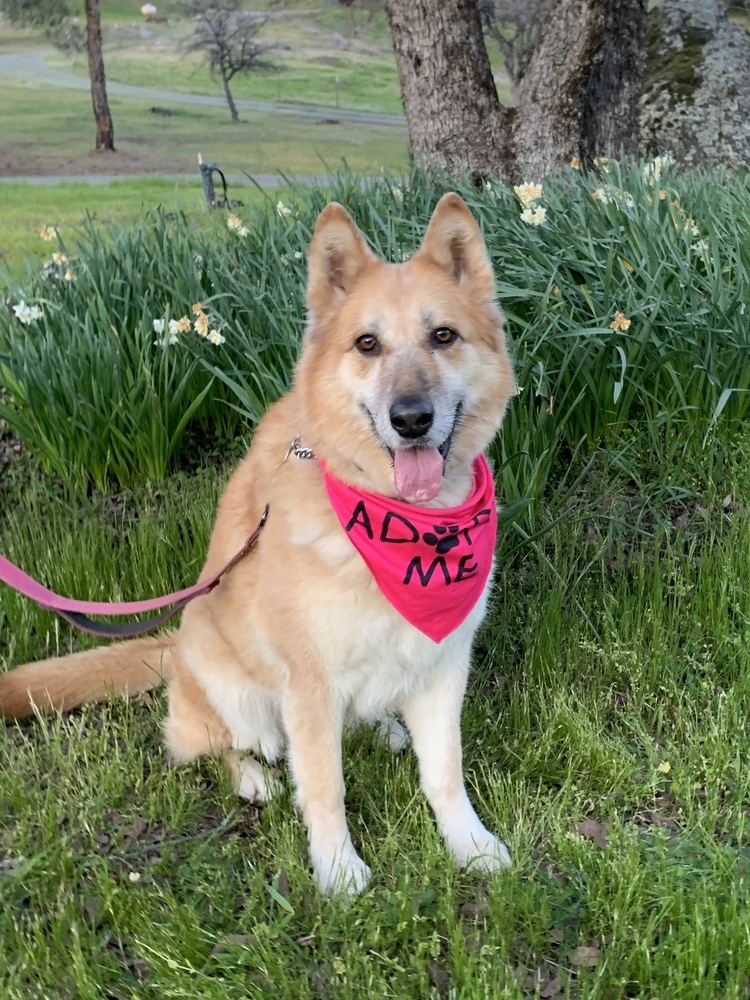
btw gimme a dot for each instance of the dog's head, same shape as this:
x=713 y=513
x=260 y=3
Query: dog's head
x=404 y=371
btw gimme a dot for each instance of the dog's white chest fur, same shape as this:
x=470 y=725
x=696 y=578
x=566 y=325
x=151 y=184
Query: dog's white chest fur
x=388 y=660
x=376 y=658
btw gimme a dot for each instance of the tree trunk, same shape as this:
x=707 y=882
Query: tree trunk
x=228 y=95
x=610 y=123
x=448 y=91
x=579 y=94
x=549 y=110
x=105 y=133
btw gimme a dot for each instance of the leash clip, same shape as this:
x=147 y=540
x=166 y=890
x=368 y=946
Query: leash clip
x=298 y=450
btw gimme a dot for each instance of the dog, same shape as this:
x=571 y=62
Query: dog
x=402 y=383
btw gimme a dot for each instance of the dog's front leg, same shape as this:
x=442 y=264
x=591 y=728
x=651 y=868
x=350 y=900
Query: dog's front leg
x=433 y=719
x=313 y=718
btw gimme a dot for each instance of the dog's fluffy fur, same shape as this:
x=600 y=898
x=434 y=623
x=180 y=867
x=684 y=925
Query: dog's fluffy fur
x=297 y=641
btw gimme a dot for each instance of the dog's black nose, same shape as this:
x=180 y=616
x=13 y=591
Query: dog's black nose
x=412 y=416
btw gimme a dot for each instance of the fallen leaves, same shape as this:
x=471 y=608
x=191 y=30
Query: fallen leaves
x=666 y=814
x=543 y=982
x=231 y=941
x=591 y=829
x=586 y=956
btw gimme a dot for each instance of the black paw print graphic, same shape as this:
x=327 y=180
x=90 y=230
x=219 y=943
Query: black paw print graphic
x=448 y=538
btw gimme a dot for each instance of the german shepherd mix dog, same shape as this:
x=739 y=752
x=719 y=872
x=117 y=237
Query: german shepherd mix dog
x=347 y=609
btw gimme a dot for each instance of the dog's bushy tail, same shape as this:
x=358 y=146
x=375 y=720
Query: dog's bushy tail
x=67 y=681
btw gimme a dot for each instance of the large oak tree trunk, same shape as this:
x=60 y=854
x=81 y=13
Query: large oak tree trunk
x=578 y=96
x=452 y=109
x=610 y=122
x=549 y=109
x=105 y=134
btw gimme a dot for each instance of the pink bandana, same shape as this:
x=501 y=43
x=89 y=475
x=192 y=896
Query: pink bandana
x=432 y=564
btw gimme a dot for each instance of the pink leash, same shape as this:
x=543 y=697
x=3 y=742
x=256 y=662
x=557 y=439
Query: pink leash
x=77 y=612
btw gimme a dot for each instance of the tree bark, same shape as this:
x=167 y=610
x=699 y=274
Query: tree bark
x=610 y=122
x=228 y=95
x=579 y=94
x=448 y=91
x=105 y=134
x=550 y=106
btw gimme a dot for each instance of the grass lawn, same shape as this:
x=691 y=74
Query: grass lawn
x=26 y=208
x=318 y=63
x=606 y=723
x=367 y=83
x=49 y=131
x=606 y=735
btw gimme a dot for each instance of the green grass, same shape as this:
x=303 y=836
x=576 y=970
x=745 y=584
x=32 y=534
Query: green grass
x=677 y=367
x=49 y=131
x=27 y=208
x=307 y=68
x=611 y=685
x=116 y=11
x=606 y=656
x=368 y=83
x=19 y=39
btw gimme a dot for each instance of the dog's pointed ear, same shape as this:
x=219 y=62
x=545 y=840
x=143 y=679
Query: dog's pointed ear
x=455 y=243
x=338 y=254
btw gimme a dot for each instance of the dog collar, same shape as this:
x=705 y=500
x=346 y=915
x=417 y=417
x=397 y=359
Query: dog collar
x=297 y=449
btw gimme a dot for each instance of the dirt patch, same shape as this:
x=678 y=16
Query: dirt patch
x=133 y=157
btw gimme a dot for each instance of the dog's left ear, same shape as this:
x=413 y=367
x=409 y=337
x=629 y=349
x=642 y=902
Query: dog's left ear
x=338 y=254
x=455 y=243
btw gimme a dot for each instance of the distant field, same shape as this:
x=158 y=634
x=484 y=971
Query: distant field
x=318 y=61
x=19 y=39
x=51 y=131
x=48 y=129
x=342 y=79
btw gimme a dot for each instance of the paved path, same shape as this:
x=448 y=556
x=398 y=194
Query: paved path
x=233 y=180
x=32 y=66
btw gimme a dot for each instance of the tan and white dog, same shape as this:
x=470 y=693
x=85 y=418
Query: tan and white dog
x=400 y=363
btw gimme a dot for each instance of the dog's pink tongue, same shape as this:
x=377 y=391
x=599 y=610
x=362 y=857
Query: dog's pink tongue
x=418 y=474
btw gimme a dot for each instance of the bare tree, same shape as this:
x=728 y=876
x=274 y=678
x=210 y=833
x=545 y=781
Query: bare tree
x=371 y=6
x=224 y=34
x=105 y=133
x=515 y=26
x=62 y=29
x=577 y=95
x=70 y=37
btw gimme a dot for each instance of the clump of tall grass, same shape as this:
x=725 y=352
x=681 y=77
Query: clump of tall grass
x=625 y=299
x=107 y=369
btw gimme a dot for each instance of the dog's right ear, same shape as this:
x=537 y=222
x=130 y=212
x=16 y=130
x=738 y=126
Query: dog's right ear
x=338 y=254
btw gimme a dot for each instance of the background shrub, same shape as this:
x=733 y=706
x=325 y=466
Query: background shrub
x=95 y=392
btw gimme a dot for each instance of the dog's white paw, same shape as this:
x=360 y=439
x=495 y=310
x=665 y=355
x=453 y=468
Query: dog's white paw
x=254 y=782
x=479 y=851
x=393 y=733
x=342 y=871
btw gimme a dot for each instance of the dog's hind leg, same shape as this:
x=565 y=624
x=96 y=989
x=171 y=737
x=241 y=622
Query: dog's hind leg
x=192 y=727
x=433 y=719
x=251 y=780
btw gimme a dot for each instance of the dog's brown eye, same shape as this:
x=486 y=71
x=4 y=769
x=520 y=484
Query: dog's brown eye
x=444 y=335
x=367 y=344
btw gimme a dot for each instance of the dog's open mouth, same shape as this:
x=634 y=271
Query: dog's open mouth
x=418 y=472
